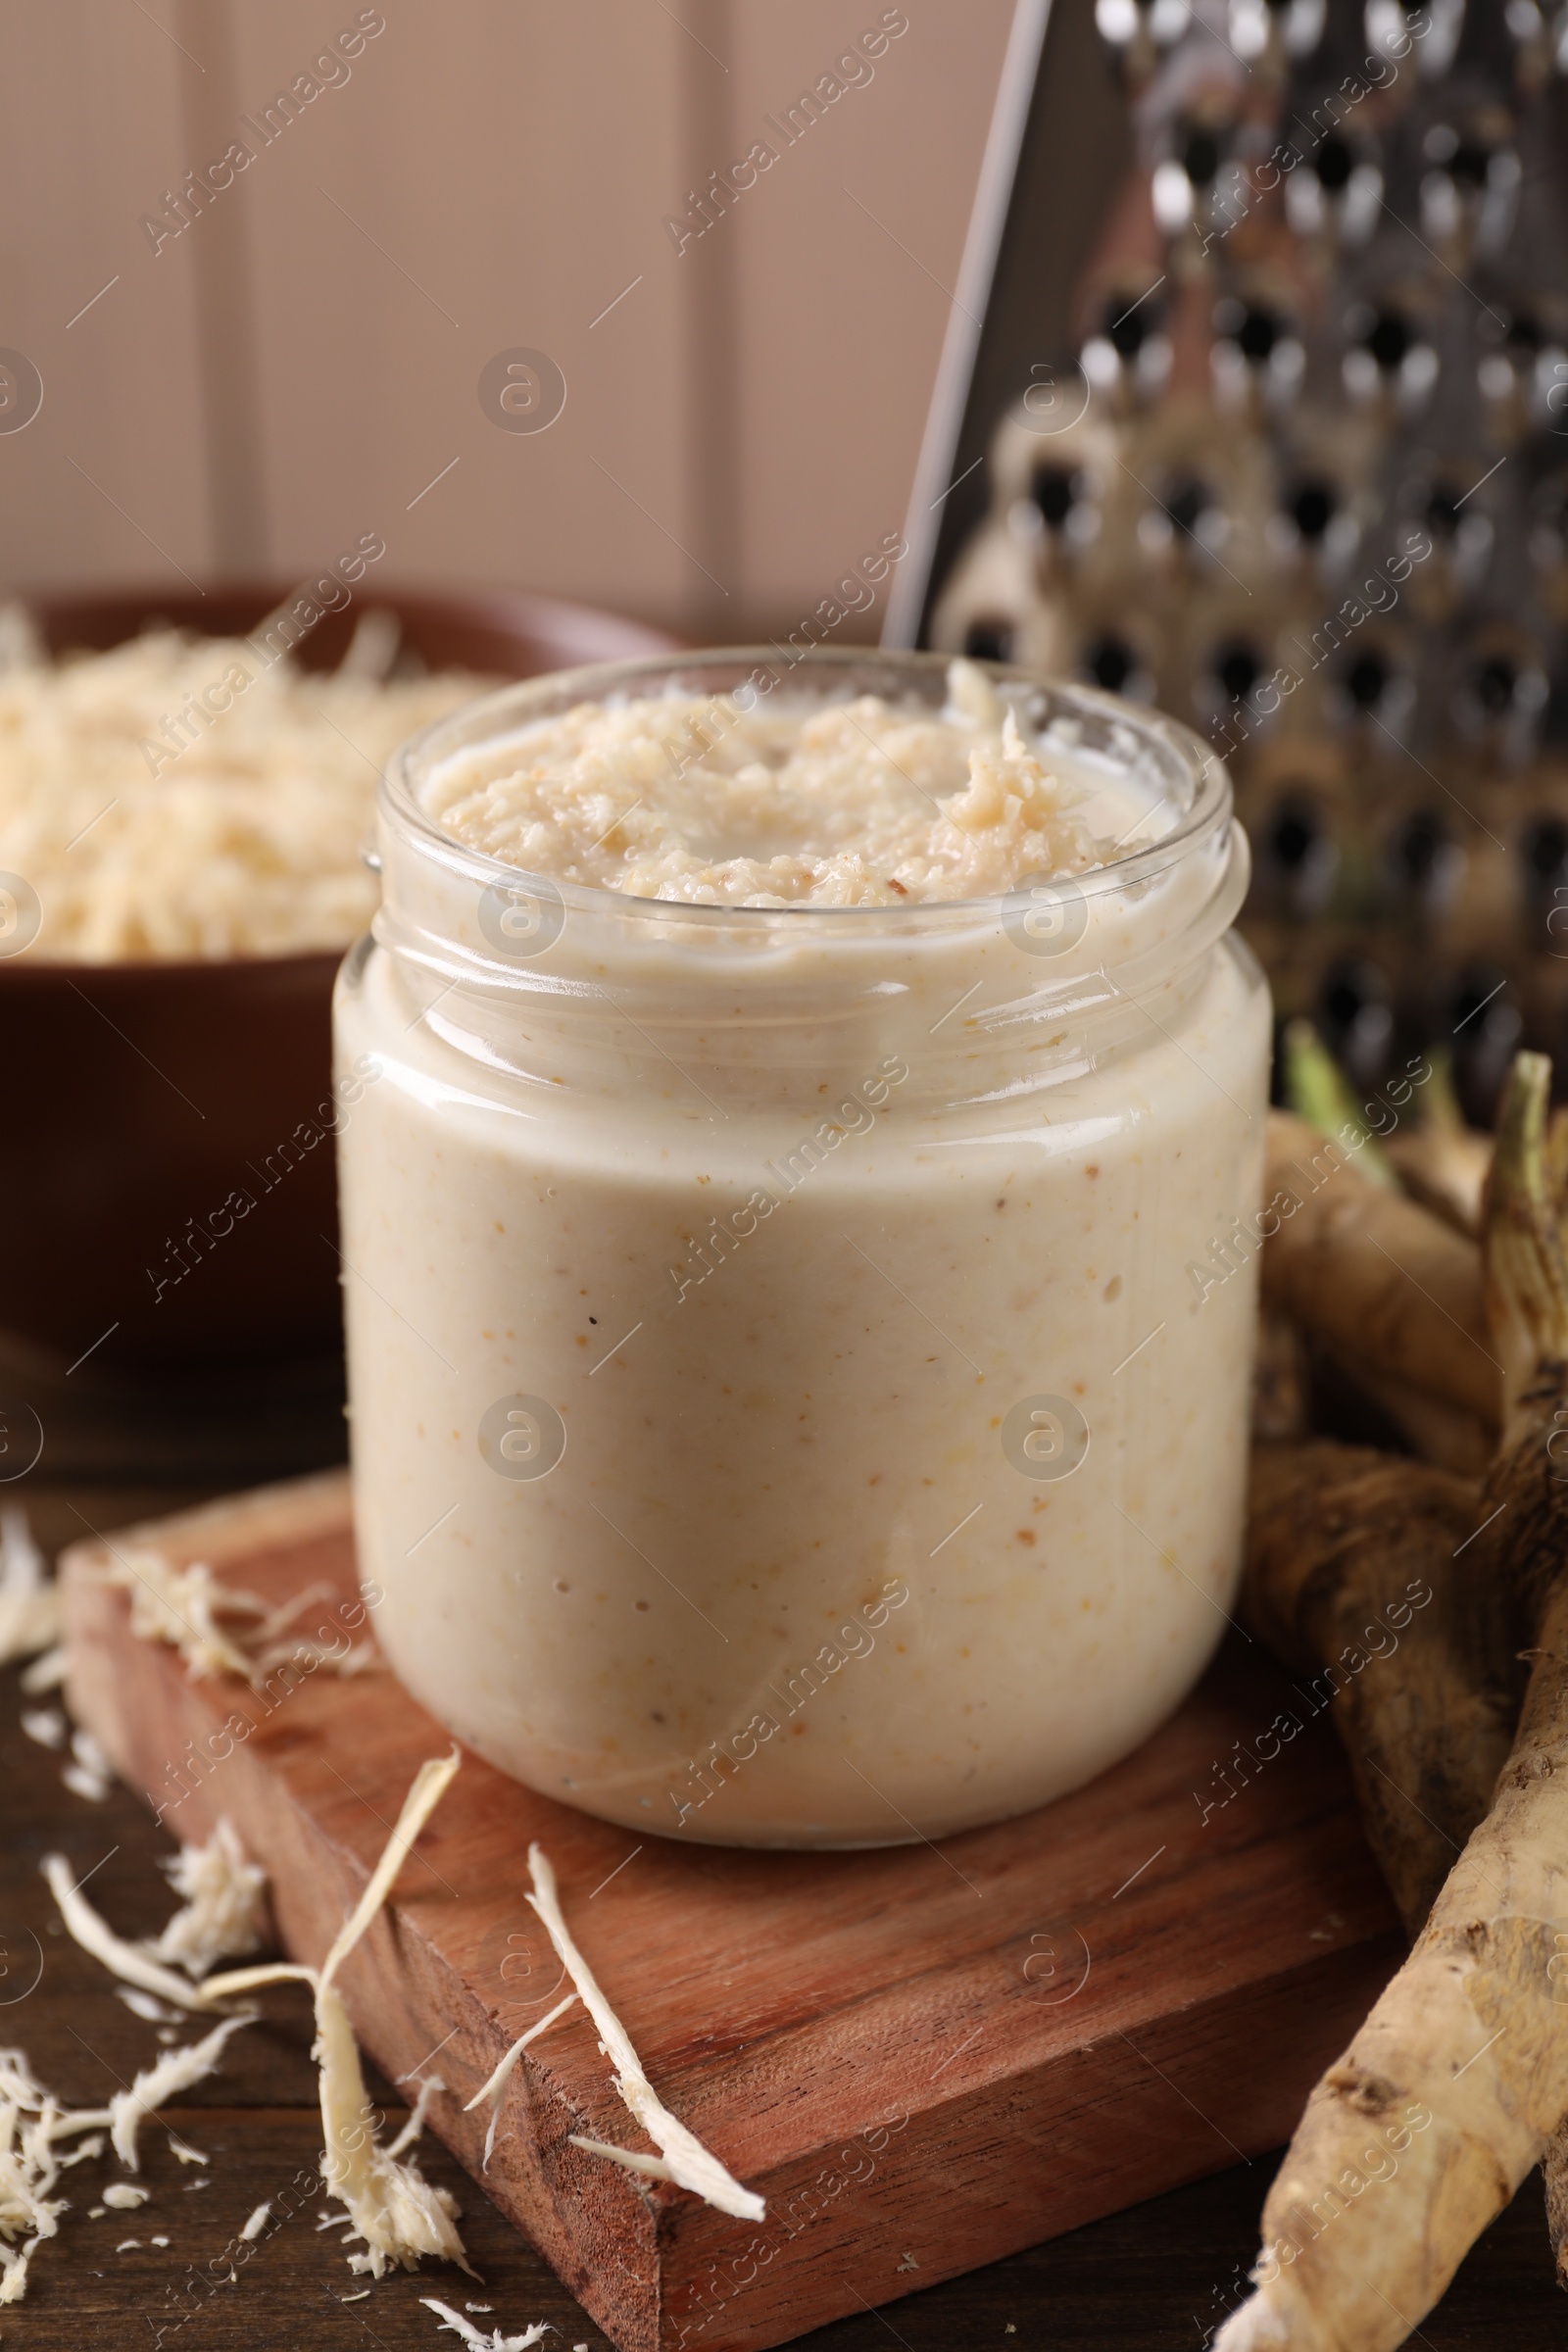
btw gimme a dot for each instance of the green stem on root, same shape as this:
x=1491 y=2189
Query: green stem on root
x=1526 y=1268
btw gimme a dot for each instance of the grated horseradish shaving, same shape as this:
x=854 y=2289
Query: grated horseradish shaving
x=125 y=2195
x=230 y=829
x=429 y=2087
x=183 y=1607
x=29 y=1601
x=652 y=2167
x=224 y=1905
x=251 y=2229
x=391 y=2207
x=691 y=2165
x=187 y=1608
x=127 y=1961
x=31 y=2123
x=178 y=2071
x=143 y=2005
x=497 y=2083
x=90 y=1773
x=46 y=1725
x=397 y=2213
x=452 y=2322
x=220 y=1918
x=47 y=1673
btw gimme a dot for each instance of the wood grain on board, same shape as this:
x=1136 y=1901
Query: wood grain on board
x=923 y=2057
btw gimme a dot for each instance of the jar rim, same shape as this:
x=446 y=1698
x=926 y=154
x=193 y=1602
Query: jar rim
x=504 y=713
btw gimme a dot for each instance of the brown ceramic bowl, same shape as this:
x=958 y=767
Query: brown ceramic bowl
x=140 y=1096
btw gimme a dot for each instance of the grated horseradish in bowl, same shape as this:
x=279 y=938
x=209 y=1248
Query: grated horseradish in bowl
x=782 y=1410
x=187 y=786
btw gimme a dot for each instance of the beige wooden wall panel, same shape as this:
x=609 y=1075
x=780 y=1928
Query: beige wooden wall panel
x=505 y=164
x=840 y=314
x=286 y=373
x=90 y=134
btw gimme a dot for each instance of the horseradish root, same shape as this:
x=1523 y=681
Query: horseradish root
x=1432 y=1429
x=1457 y=2083
x=1444 y=1174
x=1357 y=1575
x=1372 y=1274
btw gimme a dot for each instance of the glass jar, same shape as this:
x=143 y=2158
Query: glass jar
x=797 y=1395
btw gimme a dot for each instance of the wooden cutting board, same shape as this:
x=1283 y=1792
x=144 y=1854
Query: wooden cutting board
x=923 y=2057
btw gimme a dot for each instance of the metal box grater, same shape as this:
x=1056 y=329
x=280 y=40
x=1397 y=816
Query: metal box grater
x=1254 y=405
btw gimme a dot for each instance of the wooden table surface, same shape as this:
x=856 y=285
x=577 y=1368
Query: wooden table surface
x=1158 y=2277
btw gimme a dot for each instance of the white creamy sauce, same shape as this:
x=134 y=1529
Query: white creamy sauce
x=789 y=1246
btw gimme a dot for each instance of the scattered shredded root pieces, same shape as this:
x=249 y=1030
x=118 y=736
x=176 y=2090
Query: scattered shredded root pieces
x=428 y=1787
x=90 y=1773
x=252 y=2228
x=178 y=2071
x=654 y=2167
x=30 y=1602
x=400 y=2215
x=47 y=1673
x=143 y=2005
x=392 y=2207
x=429 y=2089
x=186 y=1607
x=221 y=1917
x=127 y=1961
x=28 y=2172
x=46 y=1725
x=183 y=1607
x=493 y=2088
x=397 y=2211
x=125 y=2195
x=692 y=2166
x=224 y=1905
x=452 y=2322
x=32 y=2124
x=183 y=2154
